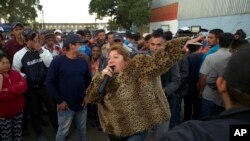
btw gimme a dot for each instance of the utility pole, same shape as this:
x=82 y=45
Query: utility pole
x=43 y=19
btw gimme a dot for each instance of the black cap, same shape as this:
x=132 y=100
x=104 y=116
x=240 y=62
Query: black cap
x=14 y=24
x=237 y=72
x=117 y=36
x=29 y=34
x=49 y=34
x=74 y=38
x=99 y=31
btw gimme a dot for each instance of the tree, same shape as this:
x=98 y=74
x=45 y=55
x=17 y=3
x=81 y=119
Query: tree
x=112 y=26
x=24 y=11
x=103 y=8
x=125 y=12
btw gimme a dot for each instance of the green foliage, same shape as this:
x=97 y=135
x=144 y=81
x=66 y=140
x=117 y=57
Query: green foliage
x=19 y=10
x=112 y=26
x=103 y=7
x=125 y=12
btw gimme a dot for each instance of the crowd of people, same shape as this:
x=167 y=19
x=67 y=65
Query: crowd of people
x=145 y=80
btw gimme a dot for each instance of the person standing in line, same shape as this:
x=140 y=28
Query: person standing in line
x=67 y=80
x=16 y=43
x=233 y=83
x=105 y=48
x=50 y=44
x=212 y=103
x=12 y=88
x=32 y=62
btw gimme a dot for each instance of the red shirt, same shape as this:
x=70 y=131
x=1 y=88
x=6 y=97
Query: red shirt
x=12 y=99
x=12 y=46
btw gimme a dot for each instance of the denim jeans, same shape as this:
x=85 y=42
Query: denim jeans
x=65 y=119
x=175 y=108
x=157 y=132
x=136 y=137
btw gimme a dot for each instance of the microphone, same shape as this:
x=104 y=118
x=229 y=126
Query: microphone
x=104 y=83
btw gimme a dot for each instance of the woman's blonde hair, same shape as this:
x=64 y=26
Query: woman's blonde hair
x=121 y=50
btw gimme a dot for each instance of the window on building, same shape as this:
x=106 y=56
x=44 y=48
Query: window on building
x=165 y=27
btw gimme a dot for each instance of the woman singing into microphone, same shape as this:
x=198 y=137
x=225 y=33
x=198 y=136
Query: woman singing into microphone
x=133 y=101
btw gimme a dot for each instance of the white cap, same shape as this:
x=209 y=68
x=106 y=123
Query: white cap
x=145 y=34
x=58 y=31
x=1 y=29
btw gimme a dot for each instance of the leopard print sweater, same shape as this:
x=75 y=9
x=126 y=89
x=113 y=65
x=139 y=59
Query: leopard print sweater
x=134 y=99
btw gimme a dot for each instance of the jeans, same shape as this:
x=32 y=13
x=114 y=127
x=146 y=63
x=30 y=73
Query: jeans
x=157 y=132
x=175 y=108
x=210 y=109
x=136 y=137
x=65 y=119
x=192 y=105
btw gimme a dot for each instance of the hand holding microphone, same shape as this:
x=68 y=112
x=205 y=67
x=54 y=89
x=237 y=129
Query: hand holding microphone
x=108 y=71
x=106 y=74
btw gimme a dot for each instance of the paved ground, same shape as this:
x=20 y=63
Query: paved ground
x=92 y=134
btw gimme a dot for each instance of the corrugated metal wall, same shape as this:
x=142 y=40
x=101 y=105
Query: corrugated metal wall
x=190 y=9
x=160 y=3
x=226 y=23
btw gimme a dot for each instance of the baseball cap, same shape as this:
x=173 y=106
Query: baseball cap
x=58 y=31
x=29 y=34
x=72 y=39
x=237 y=71
x=14 y=24
x=145 y=34
x=117 y=36
x=49 y=34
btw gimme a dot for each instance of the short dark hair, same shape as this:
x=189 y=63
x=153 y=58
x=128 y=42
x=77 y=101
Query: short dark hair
x=217 y=32
x=157 y=35
x=5 y=56
x=241 y=33
x=236 y=43
x=148 y=37
x=100 y=31
x=80 y=32
x=168 y=35
x=225 y=40
x=110 y=33
x=85 y=32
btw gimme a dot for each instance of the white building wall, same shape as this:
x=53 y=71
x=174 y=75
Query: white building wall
x=227 y=23
x=173 y=25
x=191 y=9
